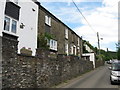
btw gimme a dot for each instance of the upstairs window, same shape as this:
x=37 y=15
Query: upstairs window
x=48 y=20
x=12 y=10
x=78 y=42
x=66 y=48
x=10 y=25
x=7 y=24
x=66 y=33
x=14 y=26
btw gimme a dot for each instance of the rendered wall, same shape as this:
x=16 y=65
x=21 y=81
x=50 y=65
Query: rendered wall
x=2 y=9
x=29 y=18
x=91 y=56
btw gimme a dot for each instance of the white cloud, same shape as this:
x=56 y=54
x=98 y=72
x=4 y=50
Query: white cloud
x=103 y=20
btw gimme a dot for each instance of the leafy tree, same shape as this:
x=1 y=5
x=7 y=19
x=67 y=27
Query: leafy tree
x=42 y=41
x=104 y=55
x=118 y=50
x=84 y=49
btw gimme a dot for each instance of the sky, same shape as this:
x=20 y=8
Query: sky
x=102 y=15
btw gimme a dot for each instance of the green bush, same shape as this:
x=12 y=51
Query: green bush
x=25 y=51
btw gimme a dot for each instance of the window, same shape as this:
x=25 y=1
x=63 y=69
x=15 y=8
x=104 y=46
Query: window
x=78 y=51
x=78 y=42
x=66 y=33
x=75 y=51
x=48 y=20
x=14 y=26
x=71 y=48
x=7 y=24
x=53 y=44
x=12 y=10
x=10 y=25
x=66 y=48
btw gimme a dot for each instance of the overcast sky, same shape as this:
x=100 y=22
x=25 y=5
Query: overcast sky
x=101 y=14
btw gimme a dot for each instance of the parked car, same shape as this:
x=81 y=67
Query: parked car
x=115 y=72
x=109 y=62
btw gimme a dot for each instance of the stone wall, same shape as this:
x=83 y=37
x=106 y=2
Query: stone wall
x=0 y=62
x=99 y=63
x=9 y=62
x=41 y=71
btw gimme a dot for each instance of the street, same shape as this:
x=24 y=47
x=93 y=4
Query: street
x=99 y=78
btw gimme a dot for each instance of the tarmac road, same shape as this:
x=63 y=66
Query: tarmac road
x=98 y=78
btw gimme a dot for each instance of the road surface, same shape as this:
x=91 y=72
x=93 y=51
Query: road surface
x=98 y=78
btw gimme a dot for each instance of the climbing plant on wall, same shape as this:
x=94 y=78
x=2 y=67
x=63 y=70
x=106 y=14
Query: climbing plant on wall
x=43 y=40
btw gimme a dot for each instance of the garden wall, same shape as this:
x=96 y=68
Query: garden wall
x=40 y=71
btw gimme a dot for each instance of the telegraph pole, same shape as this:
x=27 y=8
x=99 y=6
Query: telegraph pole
x=98 y=43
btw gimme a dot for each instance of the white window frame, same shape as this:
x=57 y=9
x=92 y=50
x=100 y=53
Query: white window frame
x=53 y=44
x=66 y=33
x=9 y=23
x=78 y=42
x=10 y=27
x=66 y=48
x=75 y=50
x=12 y=24
x=78 y=51
x=71 y=48
x=48 y=20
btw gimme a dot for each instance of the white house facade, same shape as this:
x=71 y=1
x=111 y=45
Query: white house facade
x=88 y=48
x=2 y=9
x=91 y=57
x=20 y=20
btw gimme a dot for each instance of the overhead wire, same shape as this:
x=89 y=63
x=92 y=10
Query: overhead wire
x=84 y=17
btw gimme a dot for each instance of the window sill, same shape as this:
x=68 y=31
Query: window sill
x=53 y=50
x=47 y=24
x=10 y=33
x=66 y=38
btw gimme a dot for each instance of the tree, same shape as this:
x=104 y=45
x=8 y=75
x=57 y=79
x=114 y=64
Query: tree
x=42 y=41
x=118 y=50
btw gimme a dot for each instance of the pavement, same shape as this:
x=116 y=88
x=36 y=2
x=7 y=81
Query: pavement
x=98 y=78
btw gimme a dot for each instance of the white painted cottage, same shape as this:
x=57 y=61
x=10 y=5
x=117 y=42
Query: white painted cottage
x=91 y=57
x=19 y=20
